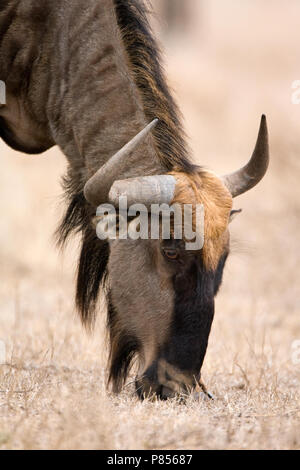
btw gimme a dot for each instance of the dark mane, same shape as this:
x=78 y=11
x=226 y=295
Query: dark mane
x=144 y=62
x=93 y=259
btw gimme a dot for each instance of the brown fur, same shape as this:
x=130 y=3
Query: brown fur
x=207 y=189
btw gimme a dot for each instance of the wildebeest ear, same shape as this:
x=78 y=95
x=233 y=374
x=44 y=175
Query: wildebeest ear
x=233 y=214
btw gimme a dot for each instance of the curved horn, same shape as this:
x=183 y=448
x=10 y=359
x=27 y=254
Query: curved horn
x=250 y=175
x=147 y=190
x=97 y=188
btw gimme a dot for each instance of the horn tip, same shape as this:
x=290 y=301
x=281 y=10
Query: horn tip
x=263 y=124
x=154 y=122
x=264 y=119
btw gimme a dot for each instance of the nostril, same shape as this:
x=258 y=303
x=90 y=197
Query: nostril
x=162 y=380
x=160 y=391
x=146 y=389
x=147 y=385
x=166 y=393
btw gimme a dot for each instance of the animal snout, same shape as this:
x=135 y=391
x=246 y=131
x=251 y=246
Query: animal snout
x=147 y=389
x=164 y=381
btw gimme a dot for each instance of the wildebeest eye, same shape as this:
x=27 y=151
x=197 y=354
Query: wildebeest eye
x=171 y=254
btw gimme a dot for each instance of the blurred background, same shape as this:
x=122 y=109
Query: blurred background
x=227 y=63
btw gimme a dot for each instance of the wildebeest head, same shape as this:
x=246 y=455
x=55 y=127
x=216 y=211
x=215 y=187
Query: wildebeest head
x=161 y=294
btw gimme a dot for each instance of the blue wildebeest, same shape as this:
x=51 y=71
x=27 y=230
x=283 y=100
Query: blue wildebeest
x=85 y=75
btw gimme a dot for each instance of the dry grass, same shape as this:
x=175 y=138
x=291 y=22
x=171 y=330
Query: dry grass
x=239 y=64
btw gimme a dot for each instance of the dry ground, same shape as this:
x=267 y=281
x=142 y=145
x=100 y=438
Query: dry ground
x=239 y=62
